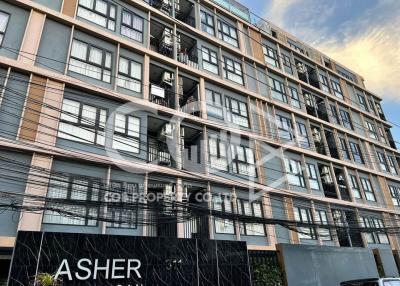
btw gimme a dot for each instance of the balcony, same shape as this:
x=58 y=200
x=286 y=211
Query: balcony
x=188 y=93
x=184 y=12
x=161 y=39
x=192 y=156
x=164 y=6
x=327 y=181
x=318 y=140
x=307 y=74
x=344 y=192
x=330 y=139
x=187 y=51
x=315 y=106
x=161 y=86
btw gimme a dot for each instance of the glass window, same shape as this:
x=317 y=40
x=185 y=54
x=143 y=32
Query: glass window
x=356 y=151
x=79 y=193
x=278 y=90
x=355 y=188
x=99 y=12
x=207 y=23
x=394 y=193
x=323 y=233
x=285 y=128
x=312 y=176
x=126 y=133
x=90 y=61
x=122 y=193
x=337 y=89
x=218 y=154
x=227 y=33
x=295 y=99
x=132 y=26
x=362 y=102
x=4 y=18
x=392 y=165
x=253 y=209
x=214 y=104
x=82 y=123
x=223 y=204
x=376 y=233
x=129 y=74
x=372 y=130
x=294 y=172
x=367 y=188
x=209 y=60
x=236 y=112
x=346 y=119
x=233 y=70
x=383 y=164
x=287 y=64
x=243 y=160
x=302 y=135
x=344 y=148
x=335 y=115
x=271 y=56
x=382 y=135
x=303 y=215
x=324 y=83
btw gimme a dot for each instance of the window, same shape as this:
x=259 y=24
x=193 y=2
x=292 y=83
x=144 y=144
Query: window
x=394 y=193
x=278 y=90
x=82 y=123
x=383 y=164
x=207 y=23
x=324 y=83
x=243 y=160
x=294 y=95
x=227 y=33
x=214 y=104
x=337 y=89
x=356 y=151
x=335 y=115
x=372 y=106
x=355 y=187
x=287 y=64
x=80 y=195
x=210 y=60
x=392 y=165
x=99 y=12
x=377 y=236
x=126 y=133
x=218 y=154
x=323 y=233
x=346 y=119
x=344 y=148
x=312 y=176
x=294 y=172
x=367 y=188
x=302 y=135
x=271 y=56
x=382 y=135
x=303 y=215
x=372 y=130
x=122 y=193
x=132 y=26
x=233 y=70
x=253 y=209
x=236 y=112
x=362 y=102
x=129 y=74
x=4 y=17
x=224 y=205
x=285 y=128
x=90 y=61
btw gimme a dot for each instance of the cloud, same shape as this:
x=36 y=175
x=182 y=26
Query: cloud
x=366 y=40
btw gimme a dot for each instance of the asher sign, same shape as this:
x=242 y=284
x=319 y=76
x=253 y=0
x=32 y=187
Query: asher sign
x=88 y=270
x=94 y=259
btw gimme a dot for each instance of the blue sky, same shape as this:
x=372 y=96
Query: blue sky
x=363 y=35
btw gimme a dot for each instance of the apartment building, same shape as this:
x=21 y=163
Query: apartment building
x=192 y=98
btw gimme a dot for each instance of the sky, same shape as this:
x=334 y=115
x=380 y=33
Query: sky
x=363 y=35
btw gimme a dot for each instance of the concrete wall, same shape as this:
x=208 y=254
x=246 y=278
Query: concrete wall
x=307 y=265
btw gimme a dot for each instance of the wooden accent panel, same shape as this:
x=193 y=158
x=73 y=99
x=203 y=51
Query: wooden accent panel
x=69 y=7
x=255 y=44
x=294 y=236
x=33 y=106
x=33 y=221
x=33 y=33
x=48 y=125
x=386 y=193
x=7 y=241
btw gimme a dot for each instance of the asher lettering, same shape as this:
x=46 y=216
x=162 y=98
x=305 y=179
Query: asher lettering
x=90 y=270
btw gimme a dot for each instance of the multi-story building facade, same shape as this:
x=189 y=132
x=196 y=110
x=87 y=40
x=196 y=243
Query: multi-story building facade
x=190 y=97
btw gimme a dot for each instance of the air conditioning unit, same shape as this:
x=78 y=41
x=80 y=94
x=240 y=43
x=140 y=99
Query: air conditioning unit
x=168 y=78
x=167 y=37
x=157 y=91
x=167 y=131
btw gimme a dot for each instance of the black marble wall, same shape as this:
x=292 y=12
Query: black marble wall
x=164 y=261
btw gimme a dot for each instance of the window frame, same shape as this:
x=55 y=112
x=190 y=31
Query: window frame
x=356 y=153
x=131 y=27
x=337 y=89
x=287 y=63
x=299 y=176
x=107 y=16
x=209 y=60
x=294 y=97
x=244 y=227
x=242 y=115
x=219 y=155
x=281 y=122
x=313 y=176
x=207 y=16
x=302 y=135
x=270 y=56
x=368 y=189
x=128 y=75
x=224 y=199
x=250 y=163
x=212 y=104
x=3 y=33
x=302 y=230
x=222 y=34
x=355 y=186
x=232 y=69
x=344 y=148
x=274 y=84
x=125 y=134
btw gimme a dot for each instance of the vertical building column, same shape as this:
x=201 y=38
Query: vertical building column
x=386 y=193
x=146 y=77
x=267 y=208
x=179 y=195
x=289 y=208
x=69 y=7
x=210 y=207
x=31 y=40
x=203 y=99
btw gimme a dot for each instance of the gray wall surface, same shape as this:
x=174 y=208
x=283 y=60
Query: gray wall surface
x=307 y=265
x=388 y=262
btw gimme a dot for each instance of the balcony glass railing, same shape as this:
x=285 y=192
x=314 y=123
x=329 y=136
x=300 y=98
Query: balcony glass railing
x=235 y=8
